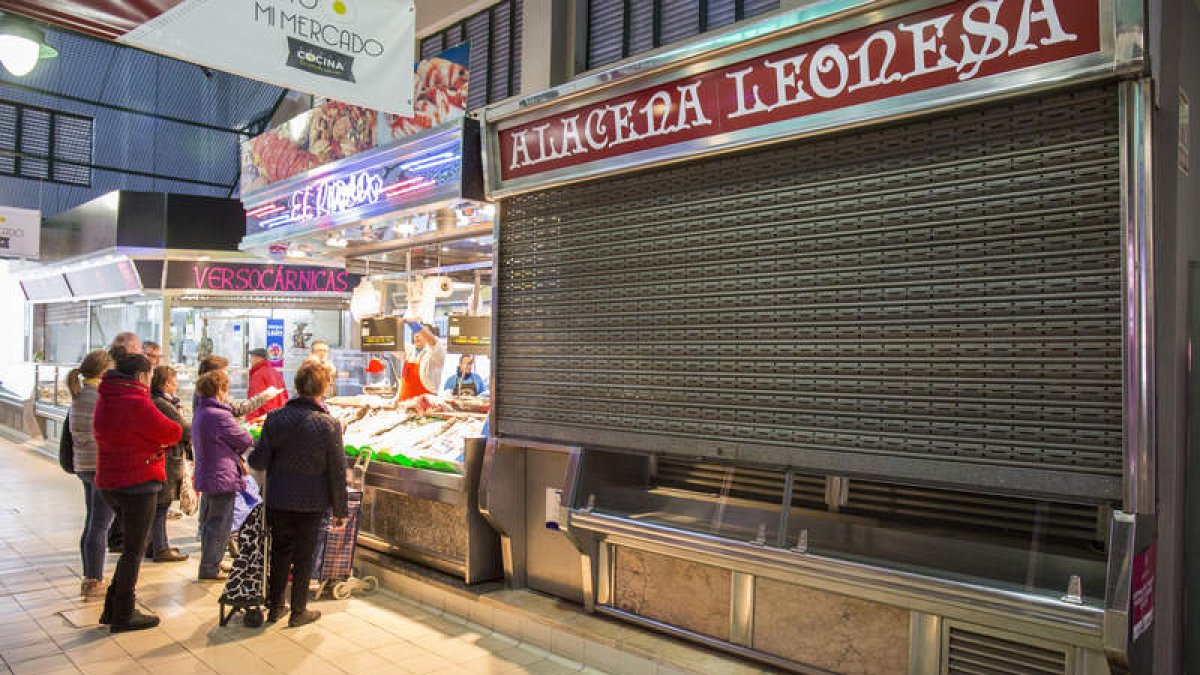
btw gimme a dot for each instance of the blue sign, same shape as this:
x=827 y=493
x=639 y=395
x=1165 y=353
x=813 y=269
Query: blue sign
x=275 y=342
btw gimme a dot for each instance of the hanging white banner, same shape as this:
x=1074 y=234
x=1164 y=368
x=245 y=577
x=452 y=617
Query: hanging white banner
x=356 y=51
x=20 y=233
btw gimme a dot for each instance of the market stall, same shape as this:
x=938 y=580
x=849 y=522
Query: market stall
x=822 y=337
x=167 y=268
x=403 y=208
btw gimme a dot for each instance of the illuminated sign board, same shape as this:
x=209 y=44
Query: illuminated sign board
x=252 y=278
x=394 y=182
x=335 y=195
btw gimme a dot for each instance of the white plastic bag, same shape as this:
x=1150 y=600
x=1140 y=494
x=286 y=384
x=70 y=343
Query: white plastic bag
x=189 y=501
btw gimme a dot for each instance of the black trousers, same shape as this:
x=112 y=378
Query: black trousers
x=293 y=543
x=135 y=512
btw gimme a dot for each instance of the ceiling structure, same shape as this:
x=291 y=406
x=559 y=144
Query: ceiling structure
x=159 y=124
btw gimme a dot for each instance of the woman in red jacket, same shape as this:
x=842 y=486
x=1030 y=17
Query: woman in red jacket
x=131 y=438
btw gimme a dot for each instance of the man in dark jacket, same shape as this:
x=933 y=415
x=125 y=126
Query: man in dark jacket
x=301 y=450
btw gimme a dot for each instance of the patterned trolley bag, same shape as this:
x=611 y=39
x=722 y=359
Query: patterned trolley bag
x=246 y=587
x=334 y=564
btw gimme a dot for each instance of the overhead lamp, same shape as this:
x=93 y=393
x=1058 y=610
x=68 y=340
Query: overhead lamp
x=21 y=46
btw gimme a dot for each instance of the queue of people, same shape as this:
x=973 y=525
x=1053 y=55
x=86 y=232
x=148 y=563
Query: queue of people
x=129 y=441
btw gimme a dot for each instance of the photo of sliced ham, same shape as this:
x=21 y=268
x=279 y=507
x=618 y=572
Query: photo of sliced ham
x=441 y=93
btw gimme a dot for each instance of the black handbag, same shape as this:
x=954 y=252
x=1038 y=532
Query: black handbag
x=66 y=446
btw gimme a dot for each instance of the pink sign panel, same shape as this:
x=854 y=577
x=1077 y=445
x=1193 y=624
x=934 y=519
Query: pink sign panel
x=958 y=42
x=1142 y=593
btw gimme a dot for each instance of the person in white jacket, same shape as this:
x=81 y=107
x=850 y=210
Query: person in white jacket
x=423 y=362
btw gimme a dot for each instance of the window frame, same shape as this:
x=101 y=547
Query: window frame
x=583 y=12
x=19 y=154
x=455 y=33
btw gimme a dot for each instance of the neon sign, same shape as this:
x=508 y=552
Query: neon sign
x=244 y=277
x=336 y=195
x=359 y=193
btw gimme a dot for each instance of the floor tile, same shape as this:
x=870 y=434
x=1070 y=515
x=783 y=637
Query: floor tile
x=45 y=627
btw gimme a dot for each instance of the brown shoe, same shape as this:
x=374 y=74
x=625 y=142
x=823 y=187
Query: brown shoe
x=220 y=576
x=170 y=555
x=93 y=589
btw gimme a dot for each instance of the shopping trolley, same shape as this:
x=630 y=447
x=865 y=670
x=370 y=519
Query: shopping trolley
x=333 y=568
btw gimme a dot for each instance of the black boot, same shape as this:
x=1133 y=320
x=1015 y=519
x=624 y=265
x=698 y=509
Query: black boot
x=127 y=617
x=106 y=613
x=138 y=620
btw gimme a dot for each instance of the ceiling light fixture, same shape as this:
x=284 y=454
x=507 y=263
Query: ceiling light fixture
x=21 y=46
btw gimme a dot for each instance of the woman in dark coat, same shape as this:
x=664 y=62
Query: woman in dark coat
x=131 y=441
x=301 y=450
x=163 y=386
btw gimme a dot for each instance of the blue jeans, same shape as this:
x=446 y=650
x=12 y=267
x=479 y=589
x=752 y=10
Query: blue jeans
x=216 y=521
x=95 y=528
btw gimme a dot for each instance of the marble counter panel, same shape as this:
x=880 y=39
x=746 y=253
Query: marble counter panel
x=421 y=523
x=833 y=632
x=674 y=591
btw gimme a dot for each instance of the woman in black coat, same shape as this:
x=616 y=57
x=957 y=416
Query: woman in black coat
x=163 y=386
x=301 y=450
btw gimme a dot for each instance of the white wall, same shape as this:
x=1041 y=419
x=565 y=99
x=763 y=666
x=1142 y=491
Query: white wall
x=433 y=15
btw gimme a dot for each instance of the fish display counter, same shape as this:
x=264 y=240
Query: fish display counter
x=422 y=461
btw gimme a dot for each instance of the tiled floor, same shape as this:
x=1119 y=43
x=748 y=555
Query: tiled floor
x=46 y=628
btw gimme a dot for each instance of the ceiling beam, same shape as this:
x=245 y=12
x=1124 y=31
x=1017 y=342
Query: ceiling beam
x=121 y=108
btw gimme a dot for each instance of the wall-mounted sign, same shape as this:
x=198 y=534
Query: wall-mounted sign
x=336 y=194
x=469 y=335
x=364 y=188
x=20 y=232
x=959 y=43
x=275 y=333
x=382 y=334
x=336 y=130
x=1141 y=601
x=358 y=51
x=252 y=278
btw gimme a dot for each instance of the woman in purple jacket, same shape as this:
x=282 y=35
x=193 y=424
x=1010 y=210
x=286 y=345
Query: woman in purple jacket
x=218 y=443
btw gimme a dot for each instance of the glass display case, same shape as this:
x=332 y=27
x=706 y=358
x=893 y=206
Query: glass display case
x=1000 y=541
x=51 y=388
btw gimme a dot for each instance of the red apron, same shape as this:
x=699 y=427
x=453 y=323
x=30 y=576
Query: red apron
x=410 y=381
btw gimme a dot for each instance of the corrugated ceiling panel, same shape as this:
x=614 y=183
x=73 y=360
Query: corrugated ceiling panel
x=115 y=75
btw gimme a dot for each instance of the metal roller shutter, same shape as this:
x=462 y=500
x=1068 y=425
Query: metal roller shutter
x=938 y=300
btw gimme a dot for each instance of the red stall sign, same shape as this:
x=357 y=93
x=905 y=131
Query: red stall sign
x=958 y=42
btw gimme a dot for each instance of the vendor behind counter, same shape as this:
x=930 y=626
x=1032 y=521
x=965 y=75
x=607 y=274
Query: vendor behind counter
x=423 y=362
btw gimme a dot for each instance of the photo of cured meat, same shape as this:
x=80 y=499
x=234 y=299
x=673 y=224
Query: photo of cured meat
x=338 y=130
x=440 y=94
x=277 y=157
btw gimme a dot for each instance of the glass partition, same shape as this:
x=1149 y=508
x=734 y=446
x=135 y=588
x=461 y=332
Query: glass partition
x=231 y=332
x=140 y=315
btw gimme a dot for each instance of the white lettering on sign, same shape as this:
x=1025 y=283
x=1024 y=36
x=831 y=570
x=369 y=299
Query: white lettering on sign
x=335 y=195
x=953 y=43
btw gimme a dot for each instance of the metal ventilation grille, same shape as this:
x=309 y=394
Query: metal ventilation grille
x=970 y=653
x=947 y=289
